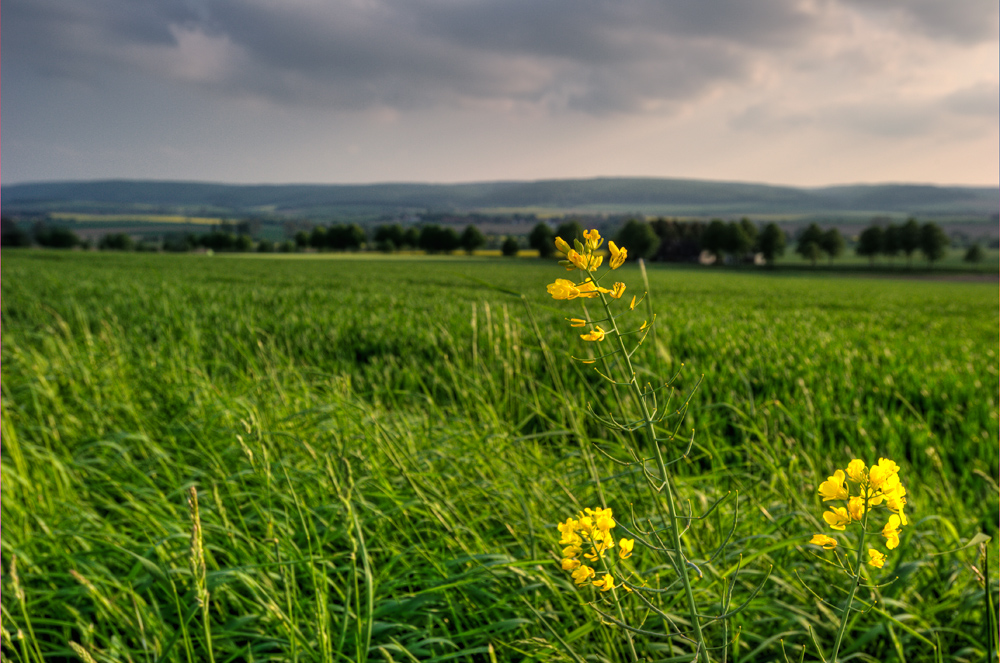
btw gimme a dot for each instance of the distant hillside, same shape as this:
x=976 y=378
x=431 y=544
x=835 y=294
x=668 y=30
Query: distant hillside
x=611 y=195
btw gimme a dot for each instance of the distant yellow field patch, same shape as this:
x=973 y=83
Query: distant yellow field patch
x=136 y=218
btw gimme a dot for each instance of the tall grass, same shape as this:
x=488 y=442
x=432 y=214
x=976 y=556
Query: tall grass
x=380 y=450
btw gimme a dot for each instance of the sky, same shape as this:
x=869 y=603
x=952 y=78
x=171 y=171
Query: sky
x=795 y=92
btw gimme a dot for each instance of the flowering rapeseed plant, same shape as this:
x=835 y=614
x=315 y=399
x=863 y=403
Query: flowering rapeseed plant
x=587 y=540
x=864 y=491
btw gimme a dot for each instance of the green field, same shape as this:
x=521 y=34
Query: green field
x=131 y=219
x=382 y=447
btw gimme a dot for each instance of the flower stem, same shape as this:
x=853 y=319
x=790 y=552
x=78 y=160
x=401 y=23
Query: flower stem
x=621 y=613
x=854 y=586
x=680 y=562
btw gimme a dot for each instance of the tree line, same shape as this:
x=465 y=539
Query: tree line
x=671 y=240
x=908 y=238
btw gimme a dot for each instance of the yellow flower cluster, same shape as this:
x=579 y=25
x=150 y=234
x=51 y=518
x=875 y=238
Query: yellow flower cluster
x=863 y=489
x=583 y=257
x=589 y=535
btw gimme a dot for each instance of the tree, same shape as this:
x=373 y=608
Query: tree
x=750 y=230
x=57 y=238
x=411 y=238
x=771 y=242
x=974 y=254
x=265 y=246
x=472 y=238
x=570 y=230
x=832 y=243
x=301 y=240
x=810 y=250
x=317 y=239
x=179 y=242
x=356 y=237
x=435 y=239
x=541 y=239
x=429 y=238
x=218 y=240
x=243 y=243
x=870 y=243
x=638 y=238
x=385 y=245
x=737 y=241
x=116 y=242
x=891 y=241
x=389 y=238
x=343 y=237
x=715 y=237
x=810 y=244
x=510 y=247
x=11 y=235
x=933 y=242
x=679 y=240
x=909 y=239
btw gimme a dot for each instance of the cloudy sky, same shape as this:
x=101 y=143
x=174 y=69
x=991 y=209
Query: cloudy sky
x=801 y=92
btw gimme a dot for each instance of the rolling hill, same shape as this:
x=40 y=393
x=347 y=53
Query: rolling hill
x=599 y=195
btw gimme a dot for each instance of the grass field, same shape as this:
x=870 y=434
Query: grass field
x=381 y=449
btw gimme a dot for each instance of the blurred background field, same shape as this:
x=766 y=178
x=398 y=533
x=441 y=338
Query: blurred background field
x=382 y=448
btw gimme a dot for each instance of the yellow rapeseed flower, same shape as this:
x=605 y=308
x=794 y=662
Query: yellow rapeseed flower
x=578 y=259
x=596 y=334
x=577 y=322
x=881 y=474
x=828 y=542
x=605 y=522
x=563 y=289
x=568 y=531
x=625 y=547
x=562 y=246
x=837 y=518
x=877 y=559
x=896 y=501
x=833 y=488
x=617 y=255
x=856 y=507
x=618 y=290
x=593 y=239
x=582 y=574
x=631 y=304
x=598 y=512
x=569 y=564
x=856 y=470
x=891 y=532
x=605 y=583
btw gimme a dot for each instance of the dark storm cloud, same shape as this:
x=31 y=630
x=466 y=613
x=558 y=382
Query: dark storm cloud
x=56 y=38
x=592 y=56
x=595 y=57
x=968 y=21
